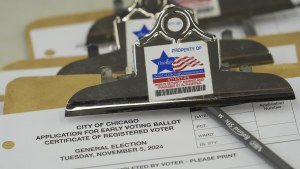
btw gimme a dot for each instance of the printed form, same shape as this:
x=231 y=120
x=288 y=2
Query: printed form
x=162 y=139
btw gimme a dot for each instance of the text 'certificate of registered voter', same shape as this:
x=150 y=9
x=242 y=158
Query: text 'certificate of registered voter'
x=160 y=139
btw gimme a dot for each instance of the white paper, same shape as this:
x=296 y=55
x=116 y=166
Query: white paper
x=203 y=9
x=65 y=41
x=296 y=2
x=285 y=21
x=173 y=138
x=278 y=22
x=285 y=54
x=69 y=40
x=8 y=76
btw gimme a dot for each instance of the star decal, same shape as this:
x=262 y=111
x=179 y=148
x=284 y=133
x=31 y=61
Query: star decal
x=144 y=31
x=164 y=62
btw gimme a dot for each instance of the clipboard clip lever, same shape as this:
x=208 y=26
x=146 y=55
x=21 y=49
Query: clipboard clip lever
x=132 y=94
x=234 y=53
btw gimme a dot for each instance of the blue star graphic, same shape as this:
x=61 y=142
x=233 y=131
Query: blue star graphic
x=164 y=62
x=144 y=31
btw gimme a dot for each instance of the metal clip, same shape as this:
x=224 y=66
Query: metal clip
x=132 y=94
x=224 y=87
x=233 y=52
x=104 y=32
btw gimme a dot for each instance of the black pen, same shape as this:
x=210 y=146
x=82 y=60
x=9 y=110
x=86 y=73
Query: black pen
x=247 y=137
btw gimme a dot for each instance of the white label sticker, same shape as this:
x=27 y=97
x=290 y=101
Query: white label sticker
x=177 y=71
x=135 y=30
x=203 y=8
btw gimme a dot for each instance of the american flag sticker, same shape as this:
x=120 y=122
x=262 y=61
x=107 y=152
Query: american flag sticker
x=181 y=63
x=178 y=71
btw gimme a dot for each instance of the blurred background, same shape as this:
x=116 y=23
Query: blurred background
x=16 y=14
x=265 y=17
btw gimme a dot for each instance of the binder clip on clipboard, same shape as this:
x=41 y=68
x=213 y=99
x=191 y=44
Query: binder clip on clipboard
x=102 y=31
x=141 y=16
x=180 y=67
x=226 y=88
x=102 y=34
x=233 y=52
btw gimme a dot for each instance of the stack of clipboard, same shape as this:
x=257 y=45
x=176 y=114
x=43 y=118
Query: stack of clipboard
x=104 y=69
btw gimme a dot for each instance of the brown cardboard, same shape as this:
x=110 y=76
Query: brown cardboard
x=41 y=63
x=41 y=93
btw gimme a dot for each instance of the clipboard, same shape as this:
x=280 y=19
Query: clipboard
x=1 y=104
x=61 y=21
x=41 y=63
x=40 y=93
x=283 y=70
x=15 y=90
